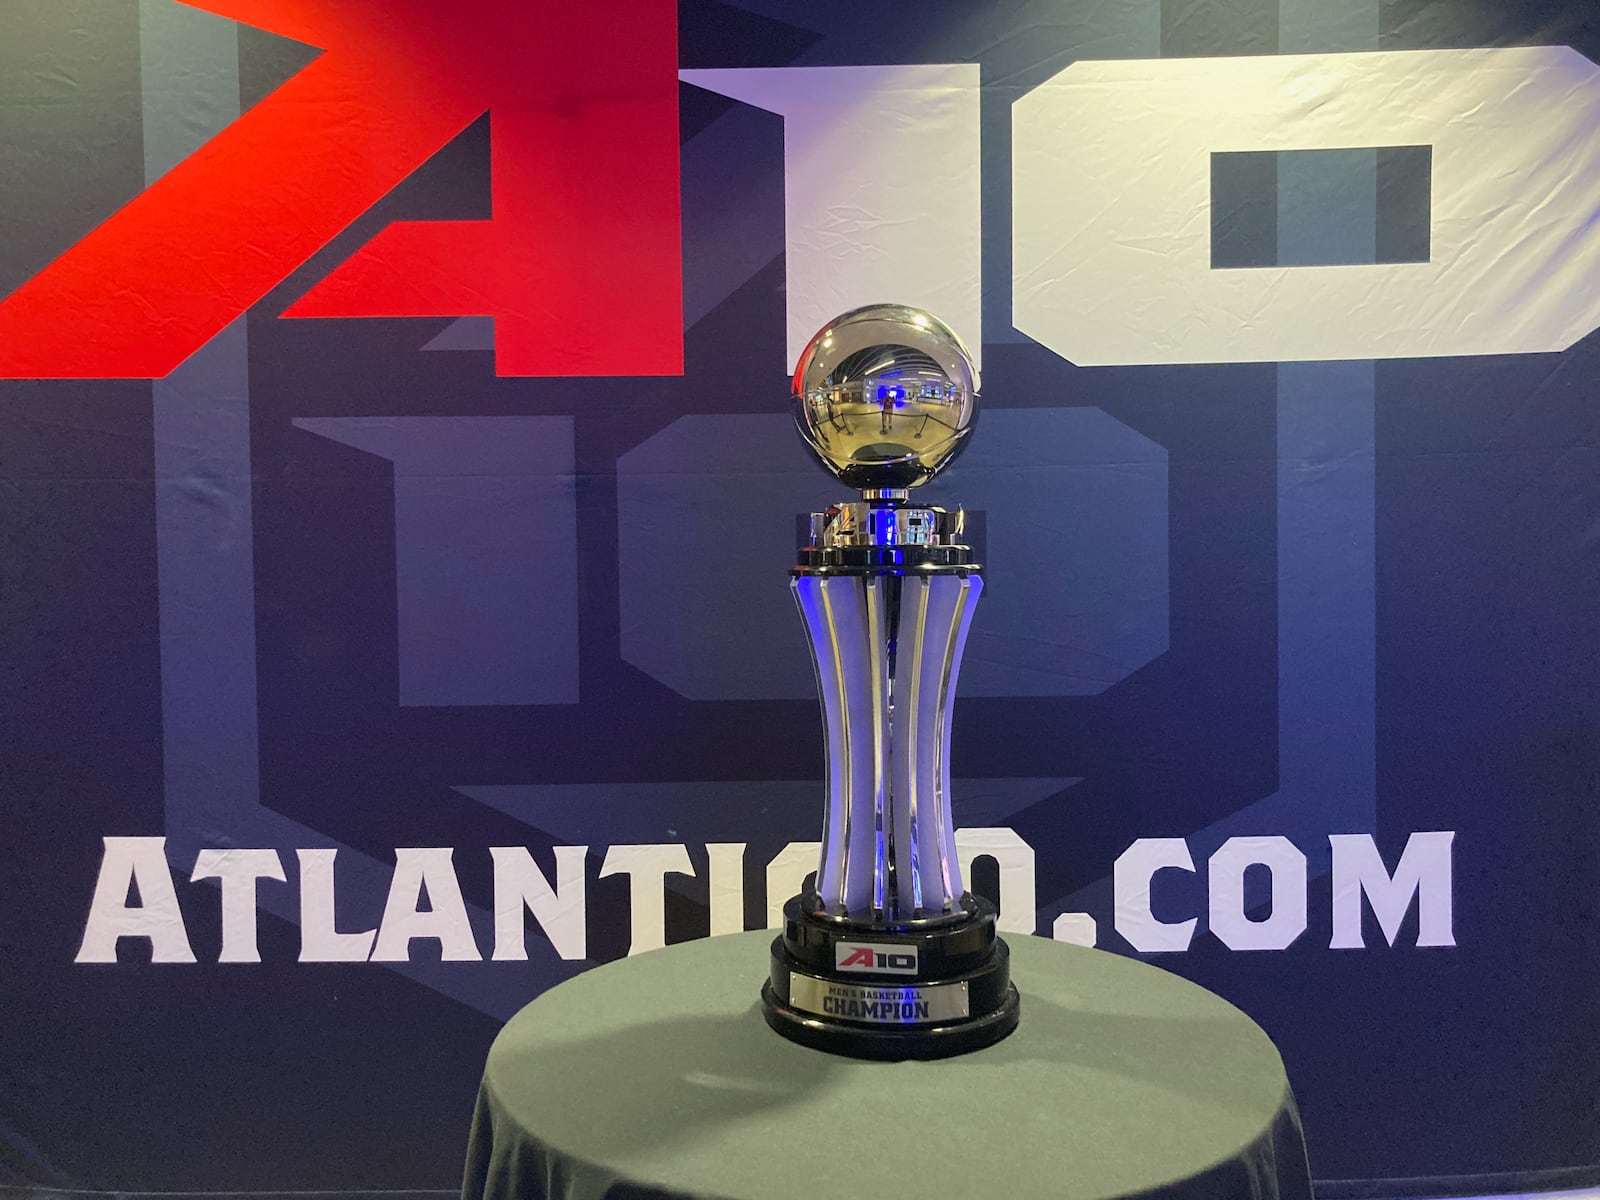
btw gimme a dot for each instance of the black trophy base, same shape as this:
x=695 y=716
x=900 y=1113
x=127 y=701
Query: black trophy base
x=921 y=989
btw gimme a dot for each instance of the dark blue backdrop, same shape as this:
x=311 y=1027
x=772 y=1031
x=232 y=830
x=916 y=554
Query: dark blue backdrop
x=273 y=601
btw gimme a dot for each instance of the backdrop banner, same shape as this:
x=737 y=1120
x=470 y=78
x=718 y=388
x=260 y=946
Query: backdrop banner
x=397 y=494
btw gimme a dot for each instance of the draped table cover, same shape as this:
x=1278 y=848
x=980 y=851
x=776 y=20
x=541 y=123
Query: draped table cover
x=656 y=1076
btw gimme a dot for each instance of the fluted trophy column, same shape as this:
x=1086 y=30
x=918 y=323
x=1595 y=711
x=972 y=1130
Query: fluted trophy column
x=885 y=954
x=887 y=649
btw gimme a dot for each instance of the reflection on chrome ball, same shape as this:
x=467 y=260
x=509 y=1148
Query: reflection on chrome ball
x=885 y=395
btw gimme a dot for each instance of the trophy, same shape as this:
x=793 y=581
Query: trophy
x=885 y=954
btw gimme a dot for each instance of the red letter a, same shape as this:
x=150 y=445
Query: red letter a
x=580 y=265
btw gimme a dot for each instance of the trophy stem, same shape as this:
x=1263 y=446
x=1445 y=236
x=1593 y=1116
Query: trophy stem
x=885 y=954
x=887 y=648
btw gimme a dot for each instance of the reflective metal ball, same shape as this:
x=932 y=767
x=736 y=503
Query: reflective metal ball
x=885 y=396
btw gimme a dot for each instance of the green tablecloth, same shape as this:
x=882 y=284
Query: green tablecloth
x=655 y=1076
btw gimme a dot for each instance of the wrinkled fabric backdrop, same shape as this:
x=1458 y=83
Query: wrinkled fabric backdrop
x=370 y=668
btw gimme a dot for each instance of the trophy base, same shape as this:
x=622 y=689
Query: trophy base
x=919 y=989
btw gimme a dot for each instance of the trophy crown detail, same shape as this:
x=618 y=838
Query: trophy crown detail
x=885 y=396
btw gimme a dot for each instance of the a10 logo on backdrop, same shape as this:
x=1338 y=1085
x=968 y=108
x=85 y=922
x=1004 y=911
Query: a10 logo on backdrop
x=1113 y=171
x=1113 y=166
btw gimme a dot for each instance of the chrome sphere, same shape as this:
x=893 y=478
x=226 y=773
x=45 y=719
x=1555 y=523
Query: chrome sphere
x=885 y=396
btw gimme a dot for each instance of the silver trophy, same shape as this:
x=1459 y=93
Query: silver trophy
x=885 y=954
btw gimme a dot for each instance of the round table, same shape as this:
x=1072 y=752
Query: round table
x=656 y=1076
